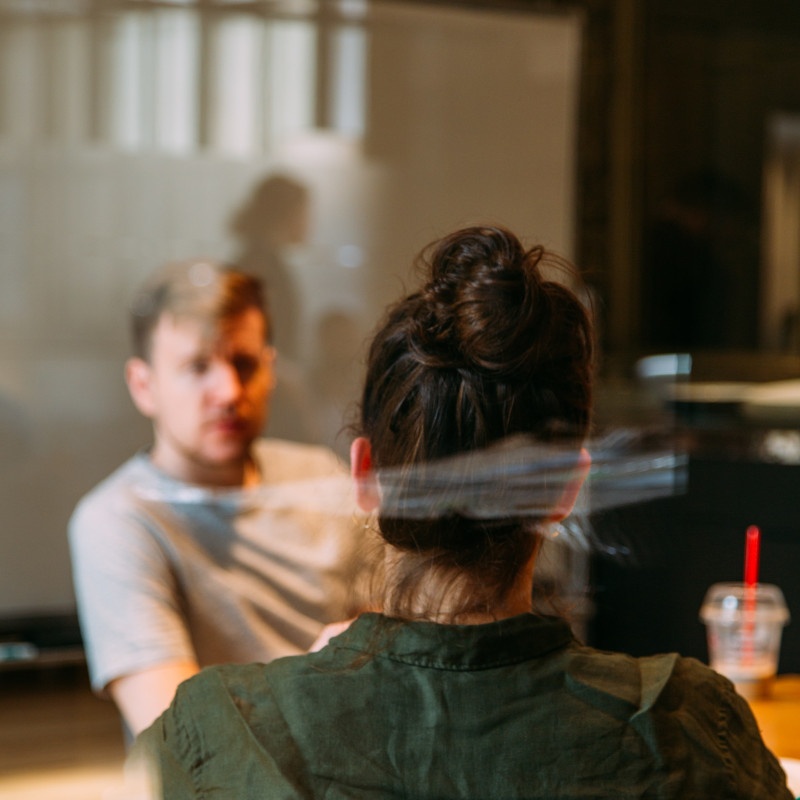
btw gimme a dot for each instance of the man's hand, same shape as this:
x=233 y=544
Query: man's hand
x=142 y=696
x=328 y=632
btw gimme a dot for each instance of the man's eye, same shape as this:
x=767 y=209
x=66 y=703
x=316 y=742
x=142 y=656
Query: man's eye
x=245 y=366
x=199 y=366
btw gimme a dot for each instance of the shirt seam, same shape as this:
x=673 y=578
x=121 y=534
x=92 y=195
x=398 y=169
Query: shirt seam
x=725 y=753
x=461 y=668
x=194 y=750
x=451 y=667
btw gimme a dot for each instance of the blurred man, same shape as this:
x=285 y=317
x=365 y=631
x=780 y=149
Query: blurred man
x=185 y=556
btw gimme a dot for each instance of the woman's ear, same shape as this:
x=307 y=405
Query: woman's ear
x=366 y=485
x=570 y=494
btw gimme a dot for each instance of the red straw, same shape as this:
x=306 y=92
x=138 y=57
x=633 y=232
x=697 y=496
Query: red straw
x=751 y=552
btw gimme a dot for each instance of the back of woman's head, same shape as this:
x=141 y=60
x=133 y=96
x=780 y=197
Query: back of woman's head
x=488 y=348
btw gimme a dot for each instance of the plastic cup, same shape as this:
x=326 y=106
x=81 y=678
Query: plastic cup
x=744 y=624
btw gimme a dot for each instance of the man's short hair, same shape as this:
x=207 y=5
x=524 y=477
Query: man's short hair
x=201 y=290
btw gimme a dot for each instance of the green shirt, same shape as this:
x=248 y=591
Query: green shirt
x=511 y=709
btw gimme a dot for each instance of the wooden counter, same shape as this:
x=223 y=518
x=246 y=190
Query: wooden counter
x=779 y=717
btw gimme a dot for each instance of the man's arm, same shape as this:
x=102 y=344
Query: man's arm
x=137 y=645
x=142 y=696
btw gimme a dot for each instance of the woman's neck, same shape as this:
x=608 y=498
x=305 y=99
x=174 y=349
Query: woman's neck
x=445 y=598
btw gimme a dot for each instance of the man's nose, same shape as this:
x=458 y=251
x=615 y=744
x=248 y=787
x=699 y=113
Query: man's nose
x=226 y=382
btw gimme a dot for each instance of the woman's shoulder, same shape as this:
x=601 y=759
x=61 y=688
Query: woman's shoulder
x=690 y=714
x=644 y=682
x=253 y=685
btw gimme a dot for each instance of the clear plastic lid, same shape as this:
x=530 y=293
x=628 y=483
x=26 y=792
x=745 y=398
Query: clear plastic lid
x=725 y=602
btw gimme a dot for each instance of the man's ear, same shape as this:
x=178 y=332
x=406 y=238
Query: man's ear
x=570 y=494
x=366 y=485
x=138 y=376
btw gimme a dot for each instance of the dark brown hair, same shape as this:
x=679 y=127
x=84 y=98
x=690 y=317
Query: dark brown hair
x=487 y=349
x=201 y=290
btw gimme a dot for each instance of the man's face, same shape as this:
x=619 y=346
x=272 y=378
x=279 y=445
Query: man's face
x=206 y=391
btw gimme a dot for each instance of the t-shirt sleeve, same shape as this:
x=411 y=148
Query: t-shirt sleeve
x=325 y=492
x=128 y=601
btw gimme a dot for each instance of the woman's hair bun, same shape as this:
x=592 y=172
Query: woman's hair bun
x=490 y=307
x=489 y=347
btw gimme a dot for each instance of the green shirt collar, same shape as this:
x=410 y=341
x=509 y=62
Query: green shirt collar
x=456 y=647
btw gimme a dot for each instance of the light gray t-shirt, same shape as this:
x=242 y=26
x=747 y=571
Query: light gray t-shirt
x=167 y=571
